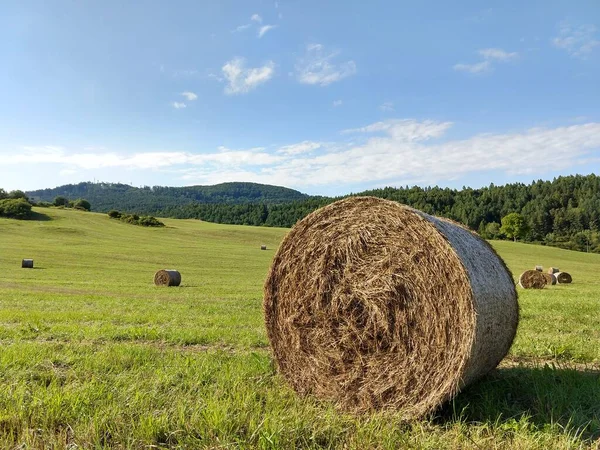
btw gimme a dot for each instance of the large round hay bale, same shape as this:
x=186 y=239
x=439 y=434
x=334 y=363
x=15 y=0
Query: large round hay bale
x=532 y=279
x=167 y=277
x=553 y=270
x=263 y=247
x=397 y=309
x=27 y=264
x=539 y=268
x=550 y=278
x=563 y=277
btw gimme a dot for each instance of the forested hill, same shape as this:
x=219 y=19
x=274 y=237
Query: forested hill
x=564 y=212
x=157 y=199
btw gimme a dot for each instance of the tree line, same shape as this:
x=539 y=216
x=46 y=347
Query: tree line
x=564 y=212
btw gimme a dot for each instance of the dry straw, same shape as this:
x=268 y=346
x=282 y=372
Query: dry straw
x=397 y=310
x=27 y=264
x=550 y=278
x=532 y=279
x=167 y=277
x=563 y=277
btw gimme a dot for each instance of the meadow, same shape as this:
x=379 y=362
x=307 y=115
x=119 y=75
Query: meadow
x=93 y=355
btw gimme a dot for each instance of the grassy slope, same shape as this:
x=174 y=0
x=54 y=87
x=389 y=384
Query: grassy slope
x=93 y=354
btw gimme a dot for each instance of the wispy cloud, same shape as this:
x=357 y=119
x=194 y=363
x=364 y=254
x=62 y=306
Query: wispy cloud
x=241 y=80
x=190 y=96
x=256 y=18
x=489 y=55
x=317 y=66
x=178 y=105
x=337 y=103
x=497 y=54
x=241 y=28
x=393 y=152
x=387 y=107
x=476 y=68
x=264 y=29
x=299 y=148
x=577 y=41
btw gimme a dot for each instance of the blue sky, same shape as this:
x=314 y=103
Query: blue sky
x=324 y=97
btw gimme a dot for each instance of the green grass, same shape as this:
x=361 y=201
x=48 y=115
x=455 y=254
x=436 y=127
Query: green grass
x=94 y=355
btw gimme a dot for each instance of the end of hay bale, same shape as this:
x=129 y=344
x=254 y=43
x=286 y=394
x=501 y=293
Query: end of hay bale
x=532 y=279
x=167 y=277
x=550 y=278
x=563 y=278
x=553 y=270
x=263 y=247
x=398 y=310
x=539 y=268
x=27 y=264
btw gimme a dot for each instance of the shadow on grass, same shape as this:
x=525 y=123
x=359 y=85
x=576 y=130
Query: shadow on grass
x=543 y=396
x=41 y=217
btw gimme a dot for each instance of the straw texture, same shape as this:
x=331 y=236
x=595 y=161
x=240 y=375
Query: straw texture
x=375 y=306
x=532 y=279
x=563 y=278
x=550 y=278
x=167 y=277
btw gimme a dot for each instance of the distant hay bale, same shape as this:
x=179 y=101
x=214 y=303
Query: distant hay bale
x=563 y=278
x=263 y=247
x=167 y=277
x=532 y=279
x=553 y=270
x=550 y=278
x=398 y=310
x=27 y=264
x=539 y=268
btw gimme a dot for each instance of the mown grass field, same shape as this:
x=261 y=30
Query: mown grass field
x=93 y=355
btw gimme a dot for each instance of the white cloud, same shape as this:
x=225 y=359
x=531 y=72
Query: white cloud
x=481 y=67
x=190 y=96
x=387 y=107
x=299 y=148
x=241 y=80
x=393 y=152
x=405 y=129
x=497 y=54
x=317 y=66
x=178 y=105
x=577 y=41
x=489 y=55
x=256 y=18
x=241 y=28
x=264 y=29
x=337 y=103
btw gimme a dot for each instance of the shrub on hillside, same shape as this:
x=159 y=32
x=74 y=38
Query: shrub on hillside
x=134 y=219
x=60 y=201
x=16 y=208
x=82 y=204
x=149 y=221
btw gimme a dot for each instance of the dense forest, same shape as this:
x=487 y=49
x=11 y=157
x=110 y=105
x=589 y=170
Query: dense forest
x=564 y=212
x=156 y=199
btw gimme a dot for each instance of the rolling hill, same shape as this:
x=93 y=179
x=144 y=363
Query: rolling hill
x=155 y=199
